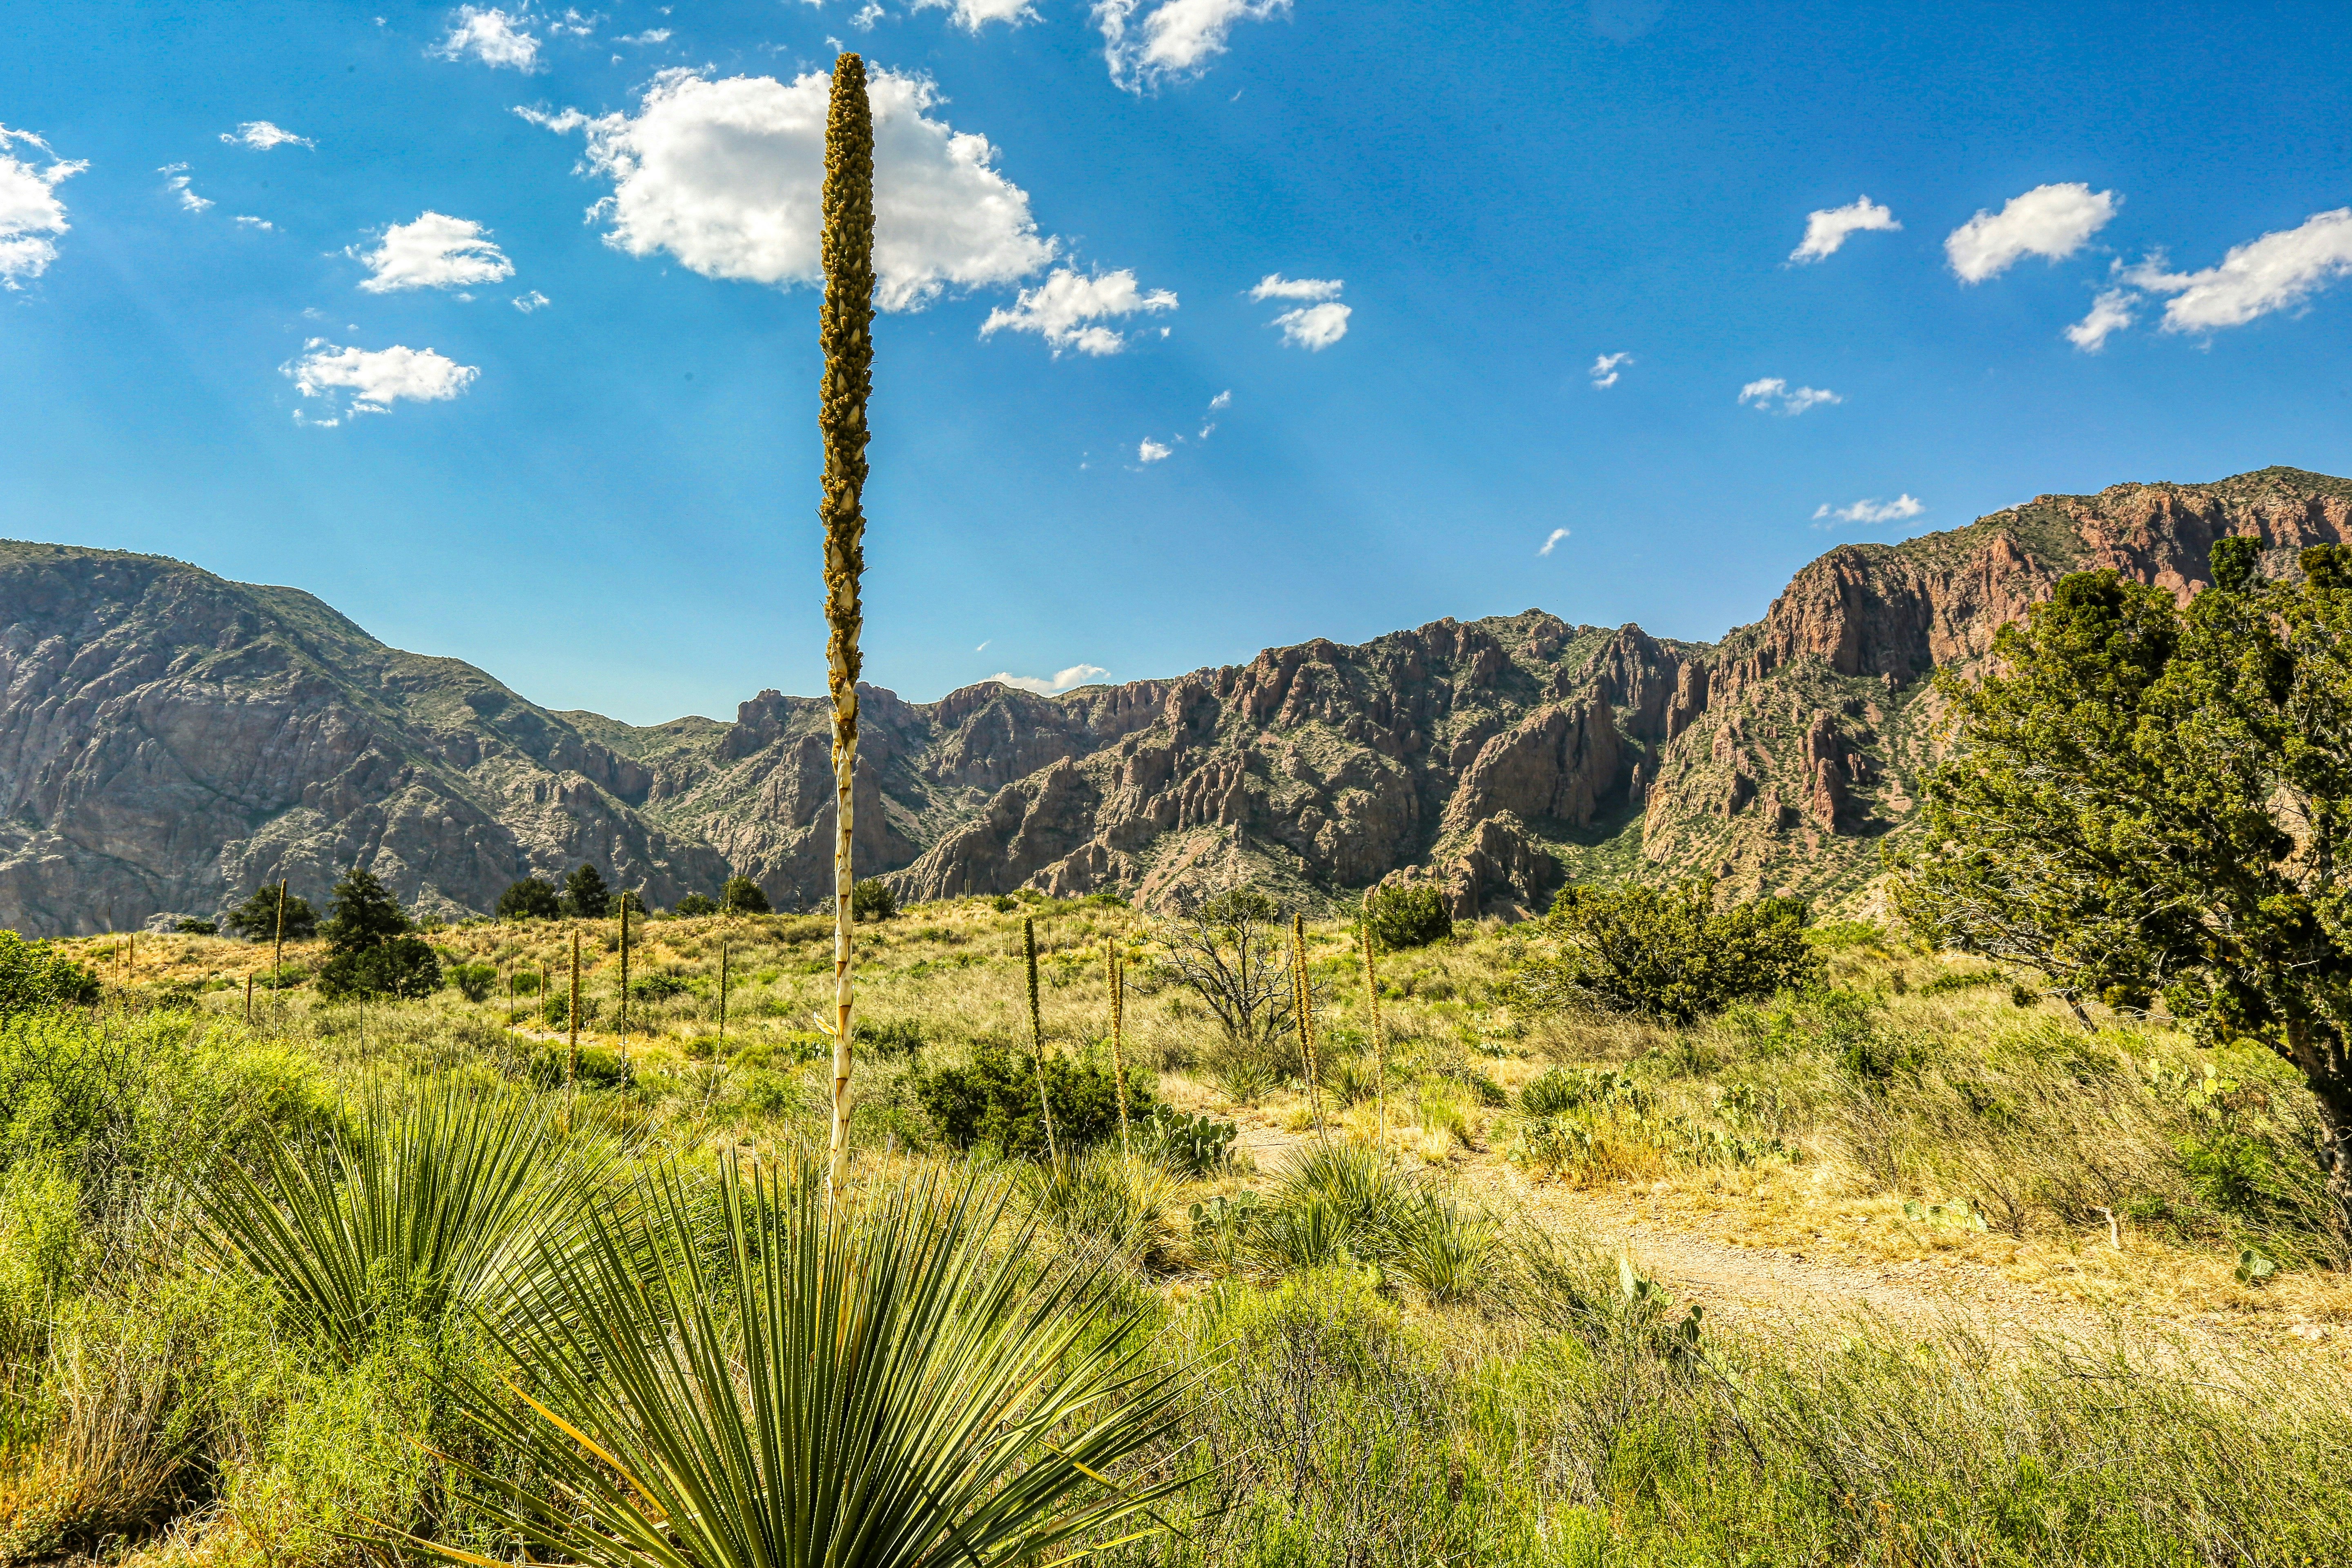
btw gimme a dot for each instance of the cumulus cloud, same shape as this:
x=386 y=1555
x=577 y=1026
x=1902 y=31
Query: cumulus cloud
x=261 y=136
x=2279 y=271
x=30 y=212
x=534 y=300
x=1872 y=510
x=2110 y=313
x=1315 y=328
x=436 y=251
x=175 y=180
x=1151 y=451
x=492 y=36
x=1551 y=541
x=1605 y=371
x=1775 y=395
x=1060 y=681
x=2051 y=221
x=1827 y=229
x=972 y=16
x=1275 y=286
x=373 y=380
x=1175 y=38
x=1068 y=309
x=725 y=176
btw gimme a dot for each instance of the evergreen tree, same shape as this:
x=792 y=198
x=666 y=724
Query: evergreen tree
x=585 y=897
x=256 y=918
x=690 y=905
x=531 y=899
x=743 y=896
x=370 y=949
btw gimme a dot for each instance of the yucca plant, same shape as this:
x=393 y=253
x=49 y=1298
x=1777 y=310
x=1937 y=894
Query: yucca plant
x=416 y=1211
x=851 y=1382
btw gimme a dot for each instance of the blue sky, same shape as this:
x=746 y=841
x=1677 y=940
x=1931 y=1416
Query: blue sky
x=1298 y=309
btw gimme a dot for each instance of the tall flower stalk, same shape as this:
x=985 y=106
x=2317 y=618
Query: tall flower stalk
x=844 y=331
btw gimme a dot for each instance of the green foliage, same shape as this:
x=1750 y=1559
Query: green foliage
x=740 y=895
x=1669 y=955
x=691 y=906
x=256 y=917
x=33 y=976
x=370 y=952
x=1192 y=1146
x=872 y=899
x=659 y=987
x=532 y=898
x=474 y=982
x=585 y=896
x=1411 y=916
x=870 y=1384
x=889 y=1039
x=991 y=1102
x=190 y=925
x=2147 y=802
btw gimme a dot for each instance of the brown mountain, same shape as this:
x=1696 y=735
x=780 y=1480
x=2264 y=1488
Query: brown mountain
x=171 y=741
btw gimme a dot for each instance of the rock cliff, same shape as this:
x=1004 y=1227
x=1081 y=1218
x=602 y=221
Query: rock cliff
x=171 y=741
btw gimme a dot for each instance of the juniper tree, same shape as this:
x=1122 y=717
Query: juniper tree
x=845 y=332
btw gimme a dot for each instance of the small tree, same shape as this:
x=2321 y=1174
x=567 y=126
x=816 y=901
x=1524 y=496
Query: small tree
x=1229 y=949
x=2143 y=803
x=1669 y=955
x=34 y=976
x=742 y=896
x=531 y=899
x=692 y=905
x=1411 y=916
x=370 y=949
x=585 y=896
x=256 y=918
x=872 y=899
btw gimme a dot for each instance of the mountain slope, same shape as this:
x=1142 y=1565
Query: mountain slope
x=171 y=741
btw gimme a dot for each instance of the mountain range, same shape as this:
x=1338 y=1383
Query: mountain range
x=169 y=741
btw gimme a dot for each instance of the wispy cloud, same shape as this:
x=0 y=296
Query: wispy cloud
x=261 y=136
x=534 y=300
x=972 y=16
x=260 y=223
x=2111 y=312
x=2275 y=272
x=176 y=178
x=1775 y=395
x=1605 y=369
x=1872 y=510
x=30 y=212
x=492 y=35
x=1061 y=681
x=1275 y=286
x=1551 y=541
x=2050 y=221
x=1176 y=38
x=1827 y=229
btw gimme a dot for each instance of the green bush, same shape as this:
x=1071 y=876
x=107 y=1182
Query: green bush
x=474 y=982
x=872 y=899
x=742 y=896
x=692 y=906
x=33 y=976
x=659 y=987
x=1413 y=916
x=189 y=925
x=992 y=1101
x=254 y=918
x=531 y=899
x=1669 y=955
x=898 y=1038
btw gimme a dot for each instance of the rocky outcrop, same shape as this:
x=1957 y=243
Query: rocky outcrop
x=169 y=741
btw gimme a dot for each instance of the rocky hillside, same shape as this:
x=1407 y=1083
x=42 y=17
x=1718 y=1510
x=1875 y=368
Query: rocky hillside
x=169 y=741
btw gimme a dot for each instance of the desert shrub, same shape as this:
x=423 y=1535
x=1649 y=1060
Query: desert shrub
x=1192 y=1146
x=991 y=1102
x=890 y=1038
x=474 y=982
x=743 y=896
x=531 y=899
x=193 y=925
x=659 y=987
x=1669 y=955
x=872 y=899
x=1126 y=1203
x=692 y=905
x=33 y=976
x=254 y=917
x=1411 y=916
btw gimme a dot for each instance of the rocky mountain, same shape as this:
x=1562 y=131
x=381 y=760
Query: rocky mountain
x=171 y=741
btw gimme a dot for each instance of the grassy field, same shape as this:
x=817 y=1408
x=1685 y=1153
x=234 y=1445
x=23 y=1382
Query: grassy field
x=1418 y=1331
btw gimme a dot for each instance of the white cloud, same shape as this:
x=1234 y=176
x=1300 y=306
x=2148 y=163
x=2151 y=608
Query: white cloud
x=29 y=210
x=2053 y=221
x=1062 y=680
x=1775 y=395
x=725 y=175
x=1176 y=38
x=575 y=24
x=650 y=36
x=377 y=378
x=1827 y=229
x=491 y=37
x=2281 y=268
x=175 y=181
x=1222 y=399
x=2110 y=313
x=534 y=300
x=1316 y=327
x=972 y=16
x=436 y=251
x=1151 y=451
x=1872 y=510
x=1552 y=540
x=1275 y=286
x=1605 y=372
x=261 y=136
x=1068 y=308
x=260 y=223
